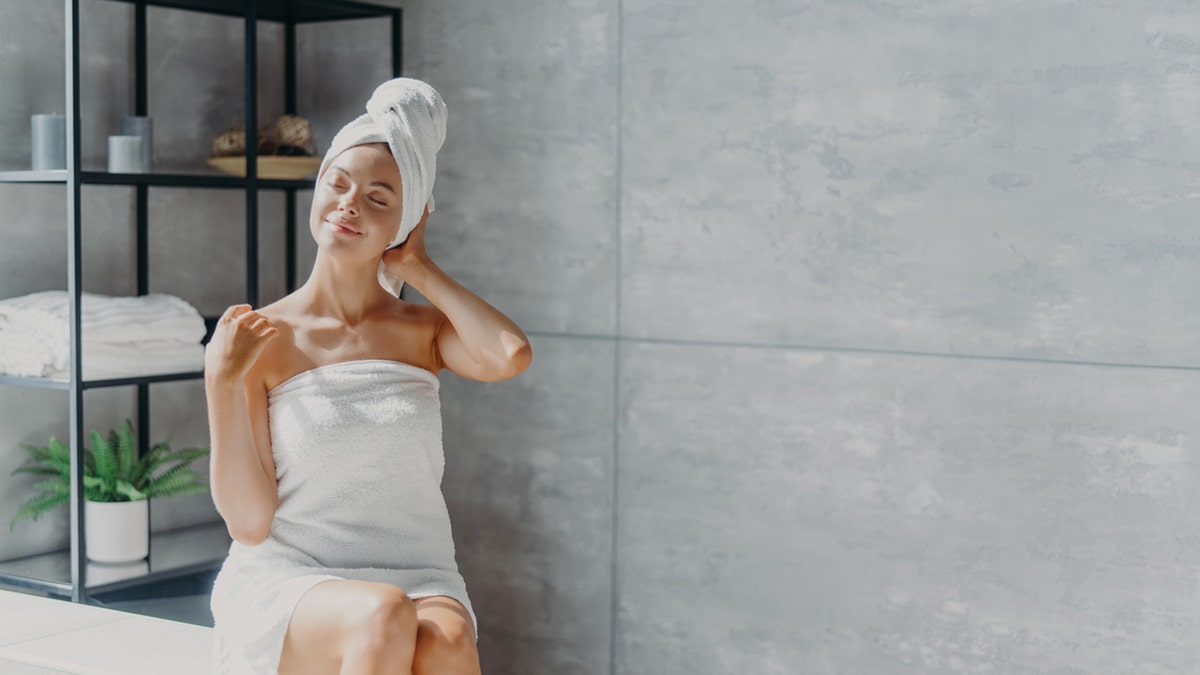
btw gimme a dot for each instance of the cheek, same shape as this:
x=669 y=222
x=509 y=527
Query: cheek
x=314 y=217
x=316 y=214
x=387 y=225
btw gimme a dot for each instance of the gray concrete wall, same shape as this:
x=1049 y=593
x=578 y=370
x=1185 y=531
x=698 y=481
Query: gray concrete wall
x=864 y=332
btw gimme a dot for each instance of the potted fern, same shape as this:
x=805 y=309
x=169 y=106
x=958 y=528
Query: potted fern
x=117 y=487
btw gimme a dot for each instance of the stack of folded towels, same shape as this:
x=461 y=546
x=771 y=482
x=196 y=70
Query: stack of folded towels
x=121 y=336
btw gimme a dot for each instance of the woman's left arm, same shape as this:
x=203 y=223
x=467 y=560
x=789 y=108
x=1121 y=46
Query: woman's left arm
x=475 y=340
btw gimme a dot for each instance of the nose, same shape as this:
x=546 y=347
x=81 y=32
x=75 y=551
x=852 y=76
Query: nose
x=348 y=203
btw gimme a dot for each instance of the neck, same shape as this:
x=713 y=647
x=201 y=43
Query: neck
x=342 y=290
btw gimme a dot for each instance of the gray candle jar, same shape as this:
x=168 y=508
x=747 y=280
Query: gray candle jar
x=125 y=154
x=144 y=128
x=48 y=142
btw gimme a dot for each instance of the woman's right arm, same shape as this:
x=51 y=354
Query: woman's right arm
x=241 y=468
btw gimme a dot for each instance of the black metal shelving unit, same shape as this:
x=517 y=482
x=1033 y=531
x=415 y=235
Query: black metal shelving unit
x=199 y=548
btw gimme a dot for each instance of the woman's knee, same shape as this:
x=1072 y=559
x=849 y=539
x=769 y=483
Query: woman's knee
x=388 y=621
x=446 y=647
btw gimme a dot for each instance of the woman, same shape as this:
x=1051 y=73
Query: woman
x=326 y=456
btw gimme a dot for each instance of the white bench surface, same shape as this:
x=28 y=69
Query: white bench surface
x=42 y=636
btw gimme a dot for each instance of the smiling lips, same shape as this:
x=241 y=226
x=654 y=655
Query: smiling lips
x=342 y=227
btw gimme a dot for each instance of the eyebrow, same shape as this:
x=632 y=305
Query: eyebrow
x=380 y=183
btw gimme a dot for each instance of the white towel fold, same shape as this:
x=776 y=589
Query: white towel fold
x=120 y=335
x=410 y=116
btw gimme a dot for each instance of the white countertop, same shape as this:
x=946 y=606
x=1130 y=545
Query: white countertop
x=41 y=636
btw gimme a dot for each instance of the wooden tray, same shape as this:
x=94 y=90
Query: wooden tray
x=269 y=166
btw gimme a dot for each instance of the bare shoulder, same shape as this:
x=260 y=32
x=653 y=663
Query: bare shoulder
x=278 y=358
x=281 y=310
x=418 y=312
x=408 y=331
x=411 y=317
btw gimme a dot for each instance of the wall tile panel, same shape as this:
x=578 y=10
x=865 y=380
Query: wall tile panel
x=787 y=511
x=529 y=487
x=930 y=177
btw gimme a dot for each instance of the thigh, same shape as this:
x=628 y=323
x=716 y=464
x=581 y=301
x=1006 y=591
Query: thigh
x=445 y=638
x=324 y=617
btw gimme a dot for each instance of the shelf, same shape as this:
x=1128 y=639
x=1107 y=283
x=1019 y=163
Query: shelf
x=173 y=553
x=59 y=176
x=40 y=382
x=155 y=179
x=64 y=384
x=293 y=11
x=142 y=379
x=188 y=180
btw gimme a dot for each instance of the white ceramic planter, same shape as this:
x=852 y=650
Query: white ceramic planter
x=117 y=532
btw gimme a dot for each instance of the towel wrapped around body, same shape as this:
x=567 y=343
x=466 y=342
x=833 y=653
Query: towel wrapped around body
x=359 y=462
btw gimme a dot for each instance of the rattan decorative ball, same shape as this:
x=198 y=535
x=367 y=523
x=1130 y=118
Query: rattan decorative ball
x=267 y=143
x=230 y=143
x=294 y=131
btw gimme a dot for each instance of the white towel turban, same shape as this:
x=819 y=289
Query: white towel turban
x=410 y=116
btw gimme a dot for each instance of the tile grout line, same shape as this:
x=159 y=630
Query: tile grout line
x=855 y=350
x=618 y=184
x=9 y=653
x=5 y=648
x=39 y=662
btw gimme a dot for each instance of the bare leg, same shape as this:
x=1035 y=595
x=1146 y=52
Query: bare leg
x=351 y=628
x=445 y=638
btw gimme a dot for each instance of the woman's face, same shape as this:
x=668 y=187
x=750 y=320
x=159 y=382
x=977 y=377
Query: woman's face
x=356 y=204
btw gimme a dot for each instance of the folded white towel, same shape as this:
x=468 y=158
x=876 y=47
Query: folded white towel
x=163 y=329
x=103 y=360
x=410 y=116
x=106 y=318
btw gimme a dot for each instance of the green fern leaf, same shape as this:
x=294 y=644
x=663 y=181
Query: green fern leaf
x=112 y=471
x=171 y=485
x=58 y=449
x=36 y=506
x=126 y=451
x=40 y=470
x=182 y=458
x=193 y=489
x=55 y=486
x=130 y=493
x=148 y=463
x=57 y=455
x=37 y=454
x=166 y=456
x=106 y=461
x=170 y=474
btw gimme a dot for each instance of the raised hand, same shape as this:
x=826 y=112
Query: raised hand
x=411 y=253
x=237 y=342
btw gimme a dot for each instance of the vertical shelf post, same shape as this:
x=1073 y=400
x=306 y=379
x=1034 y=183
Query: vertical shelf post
x=289 y=62
x=142 y=209
x=397 y=52
x=397 y=64
x=252 y=152
x=290 y=107
x=75 y=300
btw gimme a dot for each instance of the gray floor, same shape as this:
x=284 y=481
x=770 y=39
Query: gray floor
x=185 y=599
x=186 y=608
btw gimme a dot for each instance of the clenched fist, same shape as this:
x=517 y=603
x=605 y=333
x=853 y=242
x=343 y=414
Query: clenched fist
x=237 y=342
